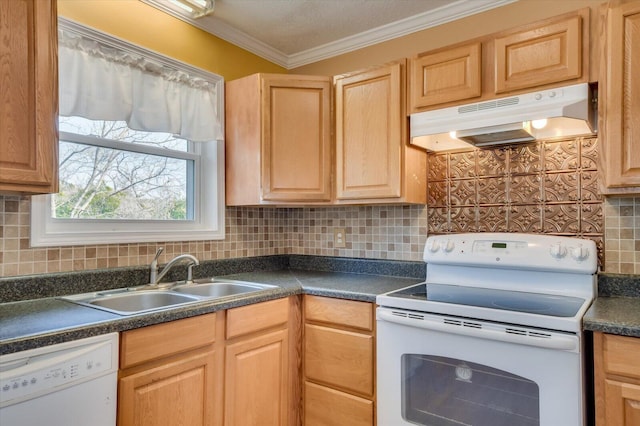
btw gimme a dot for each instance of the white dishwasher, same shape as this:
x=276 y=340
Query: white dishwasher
x=67 y=384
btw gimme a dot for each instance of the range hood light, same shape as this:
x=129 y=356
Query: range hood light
x=567 y=111
x=539 y=124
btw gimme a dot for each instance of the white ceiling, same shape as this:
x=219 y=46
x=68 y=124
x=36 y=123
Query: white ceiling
x=292 y=33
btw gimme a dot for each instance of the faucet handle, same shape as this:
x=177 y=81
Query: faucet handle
x=158 y=253
x=153 y=273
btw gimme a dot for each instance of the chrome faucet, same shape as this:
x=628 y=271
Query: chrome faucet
x=193 y=261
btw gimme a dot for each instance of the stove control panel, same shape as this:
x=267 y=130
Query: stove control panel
x=518 y=251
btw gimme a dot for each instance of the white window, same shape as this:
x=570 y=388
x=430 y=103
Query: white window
x=141 y=152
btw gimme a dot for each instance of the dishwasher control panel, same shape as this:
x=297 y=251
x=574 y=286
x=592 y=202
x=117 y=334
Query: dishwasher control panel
x=32 y=373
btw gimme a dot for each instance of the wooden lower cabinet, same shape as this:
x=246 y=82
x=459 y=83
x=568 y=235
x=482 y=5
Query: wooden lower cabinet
x=617 y=380
x=261 y=364
x=170 y=374
x=339 y=362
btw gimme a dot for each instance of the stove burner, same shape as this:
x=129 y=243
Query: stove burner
x=421 y=294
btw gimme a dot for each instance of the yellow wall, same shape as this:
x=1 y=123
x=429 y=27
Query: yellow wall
x=153 y=29
x=502 y=18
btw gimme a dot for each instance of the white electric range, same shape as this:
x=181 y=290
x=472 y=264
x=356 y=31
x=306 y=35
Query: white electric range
x=492 y=337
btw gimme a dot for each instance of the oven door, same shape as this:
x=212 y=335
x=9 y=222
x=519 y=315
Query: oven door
x=440 y=370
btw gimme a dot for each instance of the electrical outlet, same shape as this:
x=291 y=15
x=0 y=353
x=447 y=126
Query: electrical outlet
x=339 y=238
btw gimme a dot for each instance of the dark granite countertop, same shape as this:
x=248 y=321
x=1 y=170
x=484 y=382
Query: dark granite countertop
x=29 y=324
x=616 y=310
x=614 y=315
x=32 y=315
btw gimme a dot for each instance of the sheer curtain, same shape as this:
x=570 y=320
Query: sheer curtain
x=103 y=82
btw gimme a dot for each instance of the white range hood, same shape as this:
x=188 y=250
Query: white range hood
x=558 y=112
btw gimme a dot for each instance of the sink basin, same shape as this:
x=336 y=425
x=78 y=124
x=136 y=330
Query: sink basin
x=130 y=301
x=213 y=289
x=134 y=302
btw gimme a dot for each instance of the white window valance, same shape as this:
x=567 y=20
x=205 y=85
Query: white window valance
x=106 y=82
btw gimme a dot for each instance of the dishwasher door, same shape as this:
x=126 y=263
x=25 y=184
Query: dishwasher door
x=68 y=384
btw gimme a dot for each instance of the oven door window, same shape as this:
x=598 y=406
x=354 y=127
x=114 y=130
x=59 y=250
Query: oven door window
x=439 y=391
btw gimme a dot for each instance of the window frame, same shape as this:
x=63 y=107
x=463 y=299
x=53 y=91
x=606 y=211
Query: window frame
x=209 y=199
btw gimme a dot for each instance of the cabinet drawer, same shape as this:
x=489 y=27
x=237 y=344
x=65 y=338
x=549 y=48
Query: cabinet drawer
x=260 y=316
x=156 y=341
x=621 y=355
x=341 y=312
x=329 y=407
x=339 y=358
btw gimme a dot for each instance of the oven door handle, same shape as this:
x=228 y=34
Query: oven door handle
x=554 y=341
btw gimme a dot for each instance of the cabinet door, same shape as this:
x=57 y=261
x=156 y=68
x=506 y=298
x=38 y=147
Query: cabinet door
x=179 y=392
x=544 y=55
x=370 y=133
x=446 y=76
x=622 y=403
x=620 y=100
x=296 y=129
x=28 y=96
x=256 y=381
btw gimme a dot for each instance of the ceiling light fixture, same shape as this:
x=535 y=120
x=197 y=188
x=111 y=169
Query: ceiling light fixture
x=197 y=8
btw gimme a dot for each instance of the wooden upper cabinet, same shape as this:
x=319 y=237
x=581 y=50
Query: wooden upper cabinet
x=374 y=163
x=28 y=97
x=543 y=55
x=445 y=76
x=278 y=141
x=619 y=100
x=540 y=55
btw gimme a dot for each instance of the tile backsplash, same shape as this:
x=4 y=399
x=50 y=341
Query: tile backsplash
x=377 y=232
x=546 y=186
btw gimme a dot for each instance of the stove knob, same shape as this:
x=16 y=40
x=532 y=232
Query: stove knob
x=449 y=246
x=434 y=246
x=579 y=253
x=558 y=251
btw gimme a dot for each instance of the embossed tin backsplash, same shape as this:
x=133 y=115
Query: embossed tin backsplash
x=542 y=187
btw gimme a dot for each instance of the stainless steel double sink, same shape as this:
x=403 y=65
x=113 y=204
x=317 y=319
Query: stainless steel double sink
x=136 y=300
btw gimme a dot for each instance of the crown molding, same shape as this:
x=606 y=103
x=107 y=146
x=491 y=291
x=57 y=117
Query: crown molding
x=439 y=16
x=211 y=24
